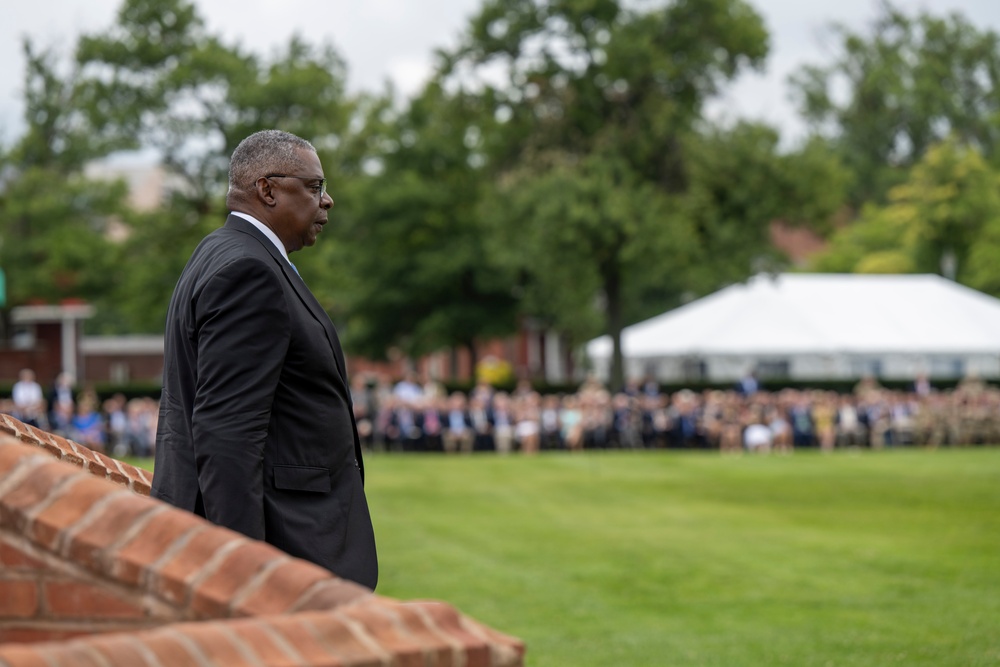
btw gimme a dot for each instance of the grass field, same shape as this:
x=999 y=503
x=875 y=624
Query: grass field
x=656 y=558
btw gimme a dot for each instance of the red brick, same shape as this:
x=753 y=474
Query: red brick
x=254 y=638
x=442 y=620
x=12 y=454
x=23 y=433
x=144 y=475
x=162 y=530
x=72 y=599
x=33 y=635
x=500 y=643
x=136 y=477
x=69 y=453
x=390 y=631
x=169 y=648
x=52 y=450
x=172 y=580
x=12 y=426
x=22 y=655
x=213 y=597
x=333 y=631
x=15 y=558
x=88 y=458
x=118 y=515
x=35 y=488
x=422 y=629
x=38 y=438
x=111 y=466
x=73 y=655
x=121 y=649
x=313 y=648
x=45 y=631
x=220 y=646
x=18 y=599
x=332 y=594
x=65 y=511
x=282 y=588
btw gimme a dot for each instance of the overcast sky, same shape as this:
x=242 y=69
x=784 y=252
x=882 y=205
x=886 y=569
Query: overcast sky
x=395 y=39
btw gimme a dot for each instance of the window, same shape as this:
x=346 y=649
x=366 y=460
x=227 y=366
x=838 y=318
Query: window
x=119 y=372
x=946 y=367
x=694 y=370
x=23 y=338
x=861 y=367
x=773 y=368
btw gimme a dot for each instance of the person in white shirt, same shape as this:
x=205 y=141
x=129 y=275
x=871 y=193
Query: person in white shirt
x=29 y=401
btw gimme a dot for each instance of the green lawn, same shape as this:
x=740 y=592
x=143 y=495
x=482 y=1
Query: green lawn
x=656 y=558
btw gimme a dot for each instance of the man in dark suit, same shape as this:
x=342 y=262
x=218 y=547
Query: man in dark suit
x=256 y=429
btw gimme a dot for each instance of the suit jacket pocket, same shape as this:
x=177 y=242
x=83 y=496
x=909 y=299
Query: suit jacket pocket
x=302 y=478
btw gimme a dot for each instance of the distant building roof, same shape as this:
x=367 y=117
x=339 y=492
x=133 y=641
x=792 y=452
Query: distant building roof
x=51 y=313
x=132 y=344
x=792 y=314
x=149 y=183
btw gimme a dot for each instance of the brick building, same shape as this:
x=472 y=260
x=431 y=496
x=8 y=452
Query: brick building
x=51 y=338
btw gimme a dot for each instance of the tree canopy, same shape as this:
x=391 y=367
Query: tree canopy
x=945 y=218
x=559 y=166
x=892 y=92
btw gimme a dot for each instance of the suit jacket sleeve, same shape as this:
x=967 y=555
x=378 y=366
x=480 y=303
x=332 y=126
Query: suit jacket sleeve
x=242 y=331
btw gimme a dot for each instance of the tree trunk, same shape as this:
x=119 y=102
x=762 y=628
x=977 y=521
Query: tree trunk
x=473 y=358
x=613 y=307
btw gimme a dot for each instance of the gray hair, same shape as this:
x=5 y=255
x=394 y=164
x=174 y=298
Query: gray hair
x=262 y=153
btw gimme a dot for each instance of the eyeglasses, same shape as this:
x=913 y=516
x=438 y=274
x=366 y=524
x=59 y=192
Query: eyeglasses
x=320 y=186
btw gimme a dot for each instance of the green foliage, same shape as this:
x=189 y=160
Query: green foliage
x=157 y=249
x=154 y=80
x=557 y=168
x=652 y=558
x=59 y=134
x=412 y=259
x=572 y=229
x=945 y=218
x=54 y=229
x=594 y=102
x=911 y=81
x=740 y=182
x=158 y=80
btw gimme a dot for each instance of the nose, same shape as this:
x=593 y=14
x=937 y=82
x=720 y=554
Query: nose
x=326 y=201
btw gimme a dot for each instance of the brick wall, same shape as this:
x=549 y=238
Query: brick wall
x=94 y=573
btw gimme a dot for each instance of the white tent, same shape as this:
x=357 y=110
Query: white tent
x=818 y=326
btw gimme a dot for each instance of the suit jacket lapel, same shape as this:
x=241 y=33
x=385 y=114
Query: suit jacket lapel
x=301 y=289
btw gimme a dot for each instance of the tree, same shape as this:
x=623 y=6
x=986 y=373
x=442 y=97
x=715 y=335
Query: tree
x=945 y=218
x=595 y=102
x=584 y=235
x=412 y=258
x=157 y=80
x=741 y=182
x=55 y=222
x=54 y=236
x=907 y=83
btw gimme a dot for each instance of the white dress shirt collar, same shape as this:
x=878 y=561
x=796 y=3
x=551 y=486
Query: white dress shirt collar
x=266 y=231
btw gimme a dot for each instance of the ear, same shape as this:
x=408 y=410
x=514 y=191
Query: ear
x=265 y=191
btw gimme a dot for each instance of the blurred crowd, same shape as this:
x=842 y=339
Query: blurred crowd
x=411 y=416
x=114 y=425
